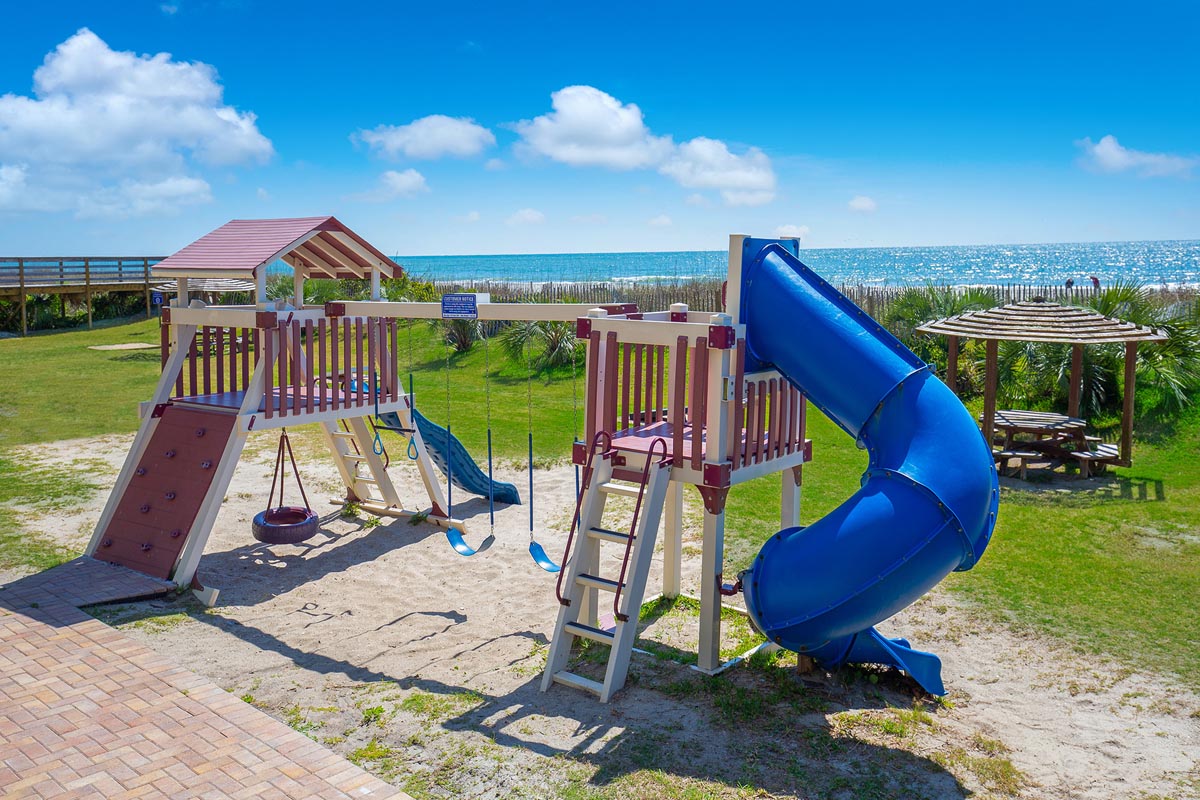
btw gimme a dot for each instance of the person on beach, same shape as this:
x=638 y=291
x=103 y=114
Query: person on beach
x=1070 y=282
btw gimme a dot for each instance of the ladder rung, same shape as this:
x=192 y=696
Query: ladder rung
x=596 y=582
x=621 y=489
x=578 y=682
x=361 y=479
x=353 y=457
x=588 y=632
x=343 y=434
x=608 y=536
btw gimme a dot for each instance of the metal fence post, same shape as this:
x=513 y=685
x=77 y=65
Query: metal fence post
x=21 y=281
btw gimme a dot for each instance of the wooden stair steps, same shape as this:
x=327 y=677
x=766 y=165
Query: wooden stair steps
x=596 y=582
x=589 y=632
x=579 y=682
x=623 y=489
x=616 y=537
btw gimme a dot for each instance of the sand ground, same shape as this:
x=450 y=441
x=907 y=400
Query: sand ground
x=378 y=640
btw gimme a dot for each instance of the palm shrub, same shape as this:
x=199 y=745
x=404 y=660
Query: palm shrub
x=540 y=344
x=918 y=305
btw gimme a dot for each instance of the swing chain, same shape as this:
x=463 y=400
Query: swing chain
x=277 y=477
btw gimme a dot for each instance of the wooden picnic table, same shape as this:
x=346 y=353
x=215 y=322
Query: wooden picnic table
x=1048 y=429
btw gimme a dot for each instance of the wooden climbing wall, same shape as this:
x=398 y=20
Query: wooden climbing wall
x=164 y=494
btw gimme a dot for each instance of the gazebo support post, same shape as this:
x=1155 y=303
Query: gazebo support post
x=1076 y=380
x=1127 y=412
x=989 y=390
x=952 y=363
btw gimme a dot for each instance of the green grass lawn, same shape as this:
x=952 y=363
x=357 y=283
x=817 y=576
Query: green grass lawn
x=1116 y=573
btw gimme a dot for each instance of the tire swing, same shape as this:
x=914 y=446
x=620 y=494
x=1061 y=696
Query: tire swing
x=281 y=524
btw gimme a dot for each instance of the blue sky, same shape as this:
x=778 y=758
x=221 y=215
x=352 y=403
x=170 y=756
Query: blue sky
x=135 y=127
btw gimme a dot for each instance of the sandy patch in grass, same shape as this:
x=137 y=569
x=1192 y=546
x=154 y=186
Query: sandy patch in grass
x=124 y=346
x=381 y=642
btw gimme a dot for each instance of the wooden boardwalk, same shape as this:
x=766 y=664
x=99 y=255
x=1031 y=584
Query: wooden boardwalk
x=86 y=711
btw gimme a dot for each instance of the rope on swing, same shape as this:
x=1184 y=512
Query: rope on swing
x=536 y=551
x=453 y=535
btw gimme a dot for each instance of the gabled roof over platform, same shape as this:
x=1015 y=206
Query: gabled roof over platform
x=317 y=247
x=1040 y=321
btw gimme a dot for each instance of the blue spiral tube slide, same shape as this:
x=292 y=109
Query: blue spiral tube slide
x=928 y=499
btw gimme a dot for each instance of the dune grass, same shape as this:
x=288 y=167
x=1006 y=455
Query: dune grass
x=1113 y=571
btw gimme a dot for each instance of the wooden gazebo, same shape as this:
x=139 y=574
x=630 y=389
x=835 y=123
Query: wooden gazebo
x=1042 y=321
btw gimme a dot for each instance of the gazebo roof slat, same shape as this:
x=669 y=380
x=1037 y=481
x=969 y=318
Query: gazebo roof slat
x=1034 y=321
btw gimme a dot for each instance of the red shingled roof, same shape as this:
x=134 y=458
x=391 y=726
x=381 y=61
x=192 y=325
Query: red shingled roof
x=317 y=247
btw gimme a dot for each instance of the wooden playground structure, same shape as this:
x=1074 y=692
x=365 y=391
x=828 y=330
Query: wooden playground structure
x=668 y=403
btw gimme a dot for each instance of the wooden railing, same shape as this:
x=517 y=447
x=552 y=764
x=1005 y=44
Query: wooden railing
x=768 y=416
x=327 y=364
x=645 y=384
x=75 y=271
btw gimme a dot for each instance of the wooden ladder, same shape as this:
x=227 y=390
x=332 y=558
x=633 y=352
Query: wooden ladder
x=363 y=471
x=580 y=582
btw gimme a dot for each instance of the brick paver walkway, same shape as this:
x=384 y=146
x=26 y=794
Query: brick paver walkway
x=86 y=711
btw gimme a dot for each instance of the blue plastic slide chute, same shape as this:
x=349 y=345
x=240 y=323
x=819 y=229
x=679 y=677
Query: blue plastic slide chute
x=927 y=505
x=466 y=473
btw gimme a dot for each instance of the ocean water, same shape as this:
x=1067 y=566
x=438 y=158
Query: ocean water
x=1157 y=263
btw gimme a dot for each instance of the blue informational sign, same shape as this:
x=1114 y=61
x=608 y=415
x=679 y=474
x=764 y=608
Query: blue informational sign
x=156 y=298
x=459 y=306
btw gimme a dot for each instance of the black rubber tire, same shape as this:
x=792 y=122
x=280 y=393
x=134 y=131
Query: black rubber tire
x=285 y=525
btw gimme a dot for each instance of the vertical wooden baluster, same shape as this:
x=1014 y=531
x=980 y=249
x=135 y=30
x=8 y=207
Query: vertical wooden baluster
x=395 y=358
x=282 y=364
x=206 y=366
x=778 y=417
x=193 y=384
x=358 y=361
x=699 y=402
x=761 y=427
x=751 y=446
x=636 y=395
x=310 y=366
x=219 y=360
x=371 y=374
x=334 y=376
x=322 y=346
x=347 y=362
x=626 y=385
x=297 y=373
x=611 y=381
x=648 y=384
x=268 y=361
x=660 y=382
x=593 y=380
x=801 y=420
x=679 y=401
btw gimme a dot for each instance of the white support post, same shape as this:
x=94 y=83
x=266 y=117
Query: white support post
x=297 y=288
x=375 y=291
x=789 y=501
x=673 y=541
x=597 y=412
x=712 y=559
x=733 y=287
x=260 y=289
x=181 y=292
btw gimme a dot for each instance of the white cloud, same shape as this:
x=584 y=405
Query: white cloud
x=403 y=184
x=526 y=216
x=1108 y=155
x=590 y=128
x=430 y=137
x=137 y=198
x=792 y=231
x=169 y=9
x=862 y=203
x=393 y=184
x=113 y=132
x=697 y=199
x=263 y=194
x=661 y=221
x=703 y=163
x=494 y=165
